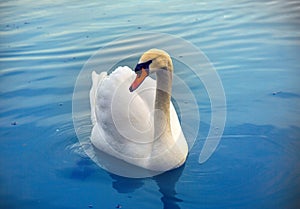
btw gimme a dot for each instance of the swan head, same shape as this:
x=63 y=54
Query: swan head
x=151 y=61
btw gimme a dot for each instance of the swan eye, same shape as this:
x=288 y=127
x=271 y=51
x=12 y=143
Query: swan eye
x=138 y=73
x=143 y=65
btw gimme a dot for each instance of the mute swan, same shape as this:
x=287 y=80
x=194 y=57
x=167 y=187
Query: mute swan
x=138 y=125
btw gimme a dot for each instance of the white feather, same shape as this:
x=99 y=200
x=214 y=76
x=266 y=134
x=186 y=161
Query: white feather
x=123 y=122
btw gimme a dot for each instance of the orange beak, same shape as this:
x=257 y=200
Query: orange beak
x=140 y=77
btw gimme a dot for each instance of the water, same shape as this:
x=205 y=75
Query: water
x=254 y=46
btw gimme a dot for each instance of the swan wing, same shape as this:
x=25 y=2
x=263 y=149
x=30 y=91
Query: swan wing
x=121 y=119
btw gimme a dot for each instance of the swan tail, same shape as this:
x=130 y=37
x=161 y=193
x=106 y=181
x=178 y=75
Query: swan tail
x=96 y=81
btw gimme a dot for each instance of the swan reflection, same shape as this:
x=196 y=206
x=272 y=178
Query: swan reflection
x=165 y=181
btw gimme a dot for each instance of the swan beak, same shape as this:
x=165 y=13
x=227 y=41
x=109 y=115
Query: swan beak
x=140 y=77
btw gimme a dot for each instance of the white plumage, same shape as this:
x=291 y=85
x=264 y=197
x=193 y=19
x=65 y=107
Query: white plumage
x=123 y=122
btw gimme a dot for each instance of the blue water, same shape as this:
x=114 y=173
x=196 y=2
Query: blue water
x=253 y=45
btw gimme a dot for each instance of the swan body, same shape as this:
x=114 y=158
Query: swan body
x=138 y=125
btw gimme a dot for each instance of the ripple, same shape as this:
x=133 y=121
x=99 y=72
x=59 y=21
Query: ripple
x=254 y=46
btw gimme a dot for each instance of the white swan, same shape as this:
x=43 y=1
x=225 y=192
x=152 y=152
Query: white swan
x=138 y=125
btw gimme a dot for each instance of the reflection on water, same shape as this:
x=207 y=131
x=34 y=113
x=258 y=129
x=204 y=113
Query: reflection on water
x=125 y=185
x=254 y=46
x=167 y=187
x=166 y=183
x=83 y=170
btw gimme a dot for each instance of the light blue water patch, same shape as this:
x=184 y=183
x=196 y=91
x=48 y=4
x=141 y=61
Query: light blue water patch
x=254 y=46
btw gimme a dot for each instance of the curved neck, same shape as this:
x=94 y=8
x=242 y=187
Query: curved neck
x=162 y=103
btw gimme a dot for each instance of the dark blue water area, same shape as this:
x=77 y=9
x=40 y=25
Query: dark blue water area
x=253 y=45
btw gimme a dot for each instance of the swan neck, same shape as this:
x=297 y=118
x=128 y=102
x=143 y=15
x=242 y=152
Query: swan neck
x=163 y=89
x=162 y=102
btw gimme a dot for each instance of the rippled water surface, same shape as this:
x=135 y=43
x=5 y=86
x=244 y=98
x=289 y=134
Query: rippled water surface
x=253 y=45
